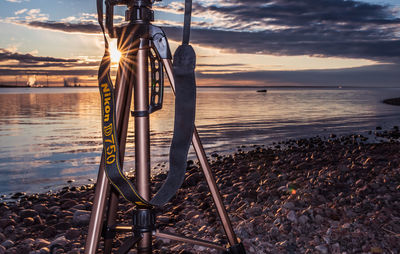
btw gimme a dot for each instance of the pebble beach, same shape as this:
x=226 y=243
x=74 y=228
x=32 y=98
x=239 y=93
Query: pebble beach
x=319 y=195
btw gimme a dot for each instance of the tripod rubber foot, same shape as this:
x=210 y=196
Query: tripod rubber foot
x=236 y=249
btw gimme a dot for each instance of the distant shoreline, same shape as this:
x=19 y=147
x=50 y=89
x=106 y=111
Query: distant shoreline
x=218 y=87
x=13 y=86
x=392 y=101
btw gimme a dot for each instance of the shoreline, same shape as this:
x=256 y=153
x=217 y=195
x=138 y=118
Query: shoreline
x=301 y=196
x=392 y=101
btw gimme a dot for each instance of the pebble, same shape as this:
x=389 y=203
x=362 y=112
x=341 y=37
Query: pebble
x=58 y=242
x=44 y=250
x=322 y=249
x=28 y=213
x=303 y=219
x=40 y=243
x=72 y=234
x=289 y=205
x=7 y=222
x=41 y=208
x=337 y=195
x=7 y=244
x=81 y=217
x=292 y=216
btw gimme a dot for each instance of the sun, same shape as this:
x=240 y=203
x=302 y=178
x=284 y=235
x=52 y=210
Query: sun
x=114 y=52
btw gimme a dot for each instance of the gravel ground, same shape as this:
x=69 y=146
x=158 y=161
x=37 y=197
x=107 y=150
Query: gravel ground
x=334 y=195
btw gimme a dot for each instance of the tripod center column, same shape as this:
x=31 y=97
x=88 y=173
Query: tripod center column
x=142 y=134
x=142 y=126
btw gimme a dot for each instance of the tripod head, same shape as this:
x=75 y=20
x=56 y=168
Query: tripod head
x=138 y=12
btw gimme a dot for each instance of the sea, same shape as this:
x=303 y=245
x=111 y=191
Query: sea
x=50 y=138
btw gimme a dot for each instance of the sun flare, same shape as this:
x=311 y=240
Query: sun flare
x=114 y=52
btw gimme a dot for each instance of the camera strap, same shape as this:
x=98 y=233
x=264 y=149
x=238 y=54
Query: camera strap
x=184 y=63
x=185 y=91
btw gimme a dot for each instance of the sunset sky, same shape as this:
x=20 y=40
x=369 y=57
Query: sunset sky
x=238 y=42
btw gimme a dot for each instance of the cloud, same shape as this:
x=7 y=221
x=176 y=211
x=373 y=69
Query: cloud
x=322 y=28
x=286 y=27
x=39 y=71
x=305 y=41
x=14 y=63
x=375 y=75
x=35 y=15
x=90 y=28
x=17 y=1
x=20 y=11
x=6 y=55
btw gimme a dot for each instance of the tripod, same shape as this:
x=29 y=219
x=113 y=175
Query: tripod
x=142 y=44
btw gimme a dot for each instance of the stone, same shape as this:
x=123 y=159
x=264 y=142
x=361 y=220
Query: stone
x=63 y=226
x=292 y=216
x=28 y=213
x=346 y=225
x=289 y=205
x=81 y=217
x=79 y=207
x=40 y=243
x=10 y=229
x=12 y=250
x=192 y=179
x=58 y=242
x=24 y=248
x=335 y=248
x=191 y=214
x=50 y=231
x=28 y=241
x=72 y=234
x=7 y=222
x=44 y=250
x=68 y=204
x=69 y=195
x=41 y=208
x=322 y=249
x=18 y=195
x=7 y=244
x=74 y=251
x=319 y=218
x=163 y=219
x=303 y=219
x=28 y=221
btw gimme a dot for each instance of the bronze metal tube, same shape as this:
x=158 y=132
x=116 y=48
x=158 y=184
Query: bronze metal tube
x=124 y=90
x=185 y=239
x=97 y=215
x=201 y=155
x=123 y=99
x=142 y=135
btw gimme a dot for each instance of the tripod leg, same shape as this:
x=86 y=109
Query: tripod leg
x=124 y=91
x=201 y=155
x=102 y=192
x=99 y=205
x=128 y=244
x=180 y=238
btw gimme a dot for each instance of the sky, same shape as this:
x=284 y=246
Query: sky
x=238 y=42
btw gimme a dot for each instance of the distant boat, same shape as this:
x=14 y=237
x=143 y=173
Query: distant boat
x=262 y=91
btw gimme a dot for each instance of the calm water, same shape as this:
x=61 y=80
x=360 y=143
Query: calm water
x=51 y=135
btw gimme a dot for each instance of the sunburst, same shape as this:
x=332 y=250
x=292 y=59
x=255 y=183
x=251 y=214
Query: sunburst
x=114 y=52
